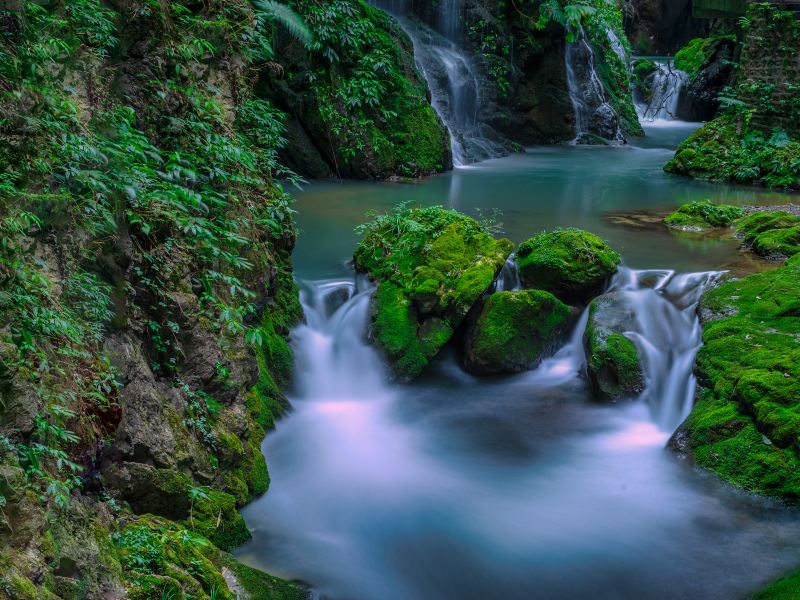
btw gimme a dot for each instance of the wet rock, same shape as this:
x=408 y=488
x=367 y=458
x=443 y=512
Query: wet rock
x=514 y=331
x=432 y=266
x=613 y=363
x=571 y=263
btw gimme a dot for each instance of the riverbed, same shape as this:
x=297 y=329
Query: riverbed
x=508 y=487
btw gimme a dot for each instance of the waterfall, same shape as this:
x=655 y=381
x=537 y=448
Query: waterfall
x=451 y=75
x=508 y=280
x=666 y=85
x=616 y=46
x=667 y=334
x=594 y=115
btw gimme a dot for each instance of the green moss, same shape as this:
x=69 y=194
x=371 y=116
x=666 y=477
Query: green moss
x=513 y=331
x=22 y=588
x=697 y=53
x=262 y=586
x=571 y=263
x=787 y=588
x=771 y=234
x=613 y=364
x=256 y=472
x=746 y=426
x=703 y=215
x=432 y=266
x=217 y=519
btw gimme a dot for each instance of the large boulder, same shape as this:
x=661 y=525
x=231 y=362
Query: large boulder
x=514 y=330
x=432 y=265
x=571 y=263
x=612 y=361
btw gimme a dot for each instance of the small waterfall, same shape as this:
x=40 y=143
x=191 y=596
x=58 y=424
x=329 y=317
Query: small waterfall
x=667 y=333
x=508 y=280
x=331 y=348
x=666 y=85
x=452 y=78
x=594 y=115
x=616 y=46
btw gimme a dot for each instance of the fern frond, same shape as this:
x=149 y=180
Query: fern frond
x=287 y=17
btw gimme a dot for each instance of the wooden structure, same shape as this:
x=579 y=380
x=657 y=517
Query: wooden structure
x=713 y=9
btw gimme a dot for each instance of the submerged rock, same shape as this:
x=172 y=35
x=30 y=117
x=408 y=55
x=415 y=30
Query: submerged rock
x=432 y=265
x=514 y=330
x=571 y=263
x=745 y=426
x=612 y=361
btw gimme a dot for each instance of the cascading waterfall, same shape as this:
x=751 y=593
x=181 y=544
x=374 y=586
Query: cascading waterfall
x=667 y=333
x=594 y=115
x=666 y=85
x=452 y=78
x=508 y=280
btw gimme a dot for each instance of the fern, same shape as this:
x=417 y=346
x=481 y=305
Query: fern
x=287 y=17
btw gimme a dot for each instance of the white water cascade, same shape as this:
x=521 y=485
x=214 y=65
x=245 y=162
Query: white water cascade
x=594 y=115
x=452 y=78
x=665 y=86
x=667 y=332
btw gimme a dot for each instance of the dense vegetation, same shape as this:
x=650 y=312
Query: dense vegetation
x=145 y=286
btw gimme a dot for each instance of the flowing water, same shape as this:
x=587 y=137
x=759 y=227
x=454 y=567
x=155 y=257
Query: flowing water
x=594 y=115
x=452 y=77
x=457 y=487
x=666 y=85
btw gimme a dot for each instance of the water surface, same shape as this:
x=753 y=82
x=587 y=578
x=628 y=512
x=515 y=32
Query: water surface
x=456 y=487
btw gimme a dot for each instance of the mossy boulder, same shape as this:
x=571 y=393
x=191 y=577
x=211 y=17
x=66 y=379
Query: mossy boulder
x=571 y=263
x=514 y=330
x=745 y=426
x=612 y=360
x=432 y=266
x=699 y=216
x=771 y=234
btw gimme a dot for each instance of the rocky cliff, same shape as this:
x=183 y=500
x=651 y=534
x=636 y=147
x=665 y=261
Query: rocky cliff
x=146 y=295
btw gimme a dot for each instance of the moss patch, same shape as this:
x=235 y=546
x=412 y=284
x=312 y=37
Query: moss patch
x=697 y=216
x=746 y=425
x=432 y=265
x=787 y=588
x=571 y=263
x=514 y=330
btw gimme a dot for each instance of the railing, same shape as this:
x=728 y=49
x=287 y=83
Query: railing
x=712 y=9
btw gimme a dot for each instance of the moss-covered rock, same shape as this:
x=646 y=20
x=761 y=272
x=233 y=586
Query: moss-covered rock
x=571 y=263
x=612 y=360
x=514 y=330
x=162 y=558
x=432 y=265
x=746 y=424
x=771 y=234
x=699 y=216
x=215 y=517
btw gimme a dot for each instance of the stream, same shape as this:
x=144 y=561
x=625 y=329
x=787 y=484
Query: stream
x=516 y=487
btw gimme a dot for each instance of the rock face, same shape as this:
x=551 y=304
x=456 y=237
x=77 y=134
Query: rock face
x=357 y=106
x=571 y=263
x=700 y=97
x=612 y=361
x=745 y=425
x=514 y=330
x=147 y=298
x=661 y=27
x=432 y=266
